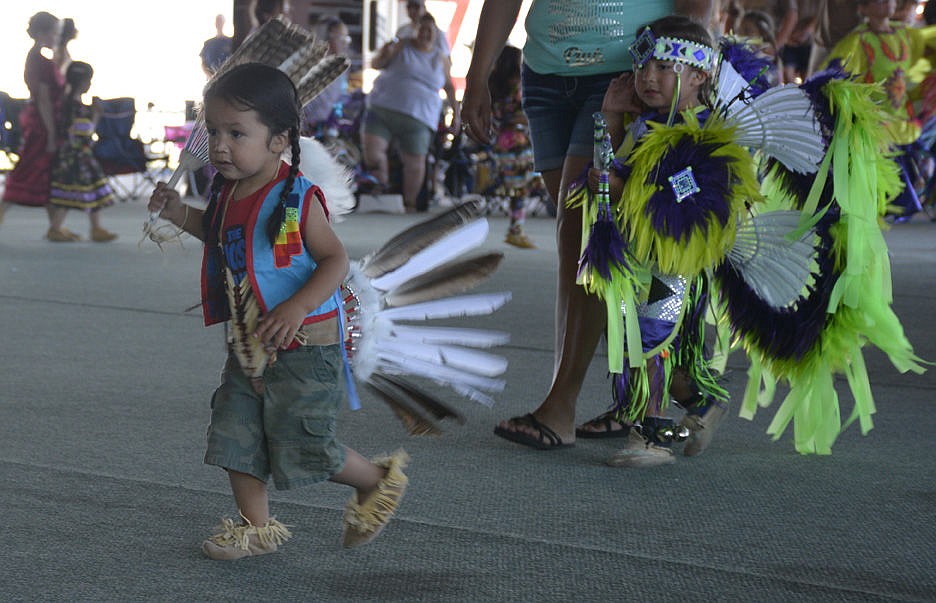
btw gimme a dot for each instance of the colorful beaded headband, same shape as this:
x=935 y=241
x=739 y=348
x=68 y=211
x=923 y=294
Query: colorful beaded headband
x=647 y=46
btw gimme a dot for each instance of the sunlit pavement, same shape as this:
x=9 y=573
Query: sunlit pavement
x=105 y=387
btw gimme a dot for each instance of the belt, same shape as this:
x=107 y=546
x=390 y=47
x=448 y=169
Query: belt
x=323 y=332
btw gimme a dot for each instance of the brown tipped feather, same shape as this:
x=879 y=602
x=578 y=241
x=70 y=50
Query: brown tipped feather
x=271 y=44
x=436 y=407
x=395 y=252
x=404 y=407
x=448 y=279
x=313 y=80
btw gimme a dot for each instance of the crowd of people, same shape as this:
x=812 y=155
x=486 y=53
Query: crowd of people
x=646 y=70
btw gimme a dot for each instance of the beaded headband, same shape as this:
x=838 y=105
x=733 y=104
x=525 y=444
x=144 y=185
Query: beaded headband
x=647 y=46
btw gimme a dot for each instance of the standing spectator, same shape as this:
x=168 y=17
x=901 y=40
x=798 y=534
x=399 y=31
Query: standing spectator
x=28 y=183
x=217 y=49
x=415 y=9
x=785 y=14
x=834 y=20
x=78 y=182
x=883 y=50
x=404 y=106
x=570 y=58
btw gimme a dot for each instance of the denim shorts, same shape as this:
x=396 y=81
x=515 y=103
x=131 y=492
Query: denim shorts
x=560 y=111
x=412 y=135
x=289 y=432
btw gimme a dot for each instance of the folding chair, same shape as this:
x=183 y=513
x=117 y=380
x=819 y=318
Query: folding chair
x=10 y=135
x=130 y=168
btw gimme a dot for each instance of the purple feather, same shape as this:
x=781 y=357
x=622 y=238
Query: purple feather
x=712 y=176
x=814 y=88
x=750 y=64
x=606 y=249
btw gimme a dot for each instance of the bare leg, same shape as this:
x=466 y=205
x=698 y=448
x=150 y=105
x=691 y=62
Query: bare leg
x=414 y=174
x=56 y=216
x=360 y=474
x=251 y=497
x=375 y=157
x=580 y=317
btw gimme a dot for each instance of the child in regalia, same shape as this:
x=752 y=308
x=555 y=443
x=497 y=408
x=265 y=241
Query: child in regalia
x=272 y=268
x=673 y=59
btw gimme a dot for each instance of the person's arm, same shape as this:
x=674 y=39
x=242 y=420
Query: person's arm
x=388 y=52
x=494 y=25
x=46 y=111
x=449 y=89
x=786 y=27
x=702 y=11
x=169 y=204
x=279 y=327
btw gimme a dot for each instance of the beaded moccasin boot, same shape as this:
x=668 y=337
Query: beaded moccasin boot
x=364 y=521
x=236 y=541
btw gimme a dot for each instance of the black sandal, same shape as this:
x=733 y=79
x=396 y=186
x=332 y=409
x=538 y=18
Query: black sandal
x=547 y=439
x=605 y=421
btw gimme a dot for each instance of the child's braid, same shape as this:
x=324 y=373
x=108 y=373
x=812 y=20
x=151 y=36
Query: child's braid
x=208 y=218
x=278 y=218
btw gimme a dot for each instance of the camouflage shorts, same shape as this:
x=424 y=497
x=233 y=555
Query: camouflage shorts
x=289 y=432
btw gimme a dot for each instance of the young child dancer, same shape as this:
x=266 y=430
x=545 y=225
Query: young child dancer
x=668 y=84
x=270 y=251
x=78 y=182
x=512 y=148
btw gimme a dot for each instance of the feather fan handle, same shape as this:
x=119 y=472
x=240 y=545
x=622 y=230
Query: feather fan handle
x=395 y=252
x=453 y=245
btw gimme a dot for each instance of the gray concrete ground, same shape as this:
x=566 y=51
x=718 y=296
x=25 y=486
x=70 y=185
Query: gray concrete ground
x=104 y=392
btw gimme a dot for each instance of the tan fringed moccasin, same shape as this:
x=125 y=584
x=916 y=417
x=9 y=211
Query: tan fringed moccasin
x=364 y=521
x=235 y=541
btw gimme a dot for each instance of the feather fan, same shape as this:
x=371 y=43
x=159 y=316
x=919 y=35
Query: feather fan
x=319 y=76
x=781 y=124
x=395 y=252
x=433 y=405
x=271 y=44
x=775 y=267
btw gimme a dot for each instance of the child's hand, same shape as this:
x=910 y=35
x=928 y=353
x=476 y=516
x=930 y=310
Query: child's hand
x=621 y=96
x=167 y=202
x=278 y=328
x=593 y=177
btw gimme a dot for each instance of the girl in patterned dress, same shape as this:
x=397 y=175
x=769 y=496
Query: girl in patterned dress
x=78 y=181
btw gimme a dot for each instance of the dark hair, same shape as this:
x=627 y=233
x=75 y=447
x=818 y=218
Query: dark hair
x=68 y=31
x=78 y=73
x=326 y=25
x=269 y=92
x=929 y=13
x=764 y=24
x=41 y=23
x=676 y=26
x=506 y=72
